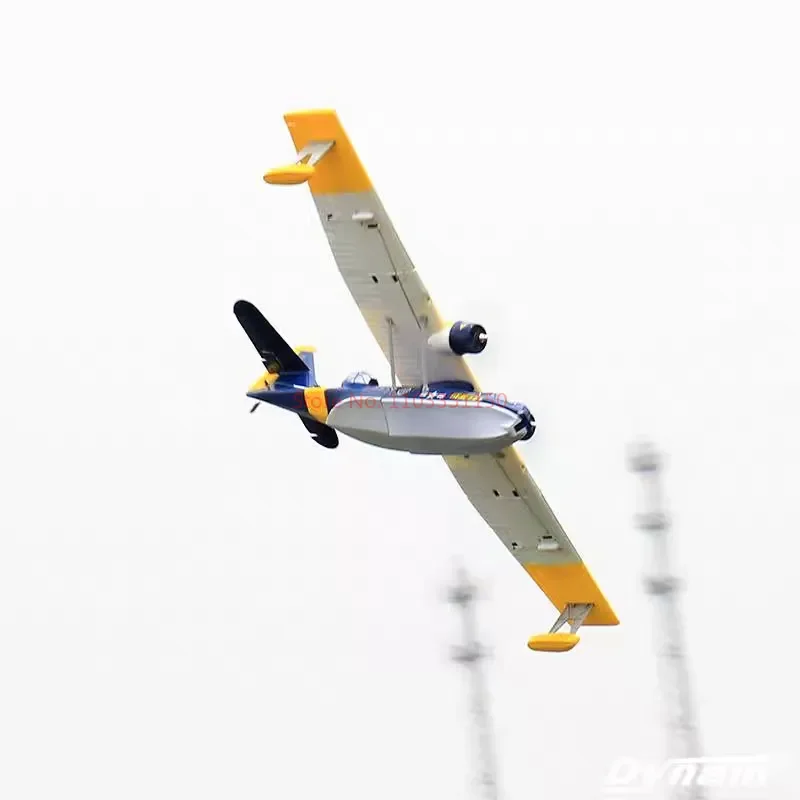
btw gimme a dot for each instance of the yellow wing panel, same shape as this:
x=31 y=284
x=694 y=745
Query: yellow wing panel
x=573 y=583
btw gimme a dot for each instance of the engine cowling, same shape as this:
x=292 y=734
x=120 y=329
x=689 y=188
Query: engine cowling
x=461 y=338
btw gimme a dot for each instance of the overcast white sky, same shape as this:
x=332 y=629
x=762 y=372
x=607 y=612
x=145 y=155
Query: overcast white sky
x=196 y=602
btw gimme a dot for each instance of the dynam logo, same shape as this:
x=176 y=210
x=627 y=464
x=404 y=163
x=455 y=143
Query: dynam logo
x=736 y=776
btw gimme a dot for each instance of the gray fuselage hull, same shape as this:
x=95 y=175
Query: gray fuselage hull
x=424 y=426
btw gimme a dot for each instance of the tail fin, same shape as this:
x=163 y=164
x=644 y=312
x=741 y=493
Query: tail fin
x=278 y=357
x=306 y=354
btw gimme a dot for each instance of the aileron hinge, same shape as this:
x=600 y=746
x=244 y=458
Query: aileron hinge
x=548 y=544
x=364 y=217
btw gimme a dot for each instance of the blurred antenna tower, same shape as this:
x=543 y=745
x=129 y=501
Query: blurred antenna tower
x=682 y=735
x=471 y=653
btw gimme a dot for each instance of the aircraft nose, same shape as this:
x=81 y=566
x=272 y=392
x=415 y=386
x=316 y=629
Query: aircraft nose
x=526 y=423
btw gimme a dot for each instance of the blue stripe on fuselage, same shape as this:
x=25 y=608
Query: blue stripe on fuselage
x=284 y=397
x=292 y=398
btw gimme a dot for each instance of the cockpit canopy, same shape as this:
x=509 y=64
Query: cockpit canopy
x=361 y=378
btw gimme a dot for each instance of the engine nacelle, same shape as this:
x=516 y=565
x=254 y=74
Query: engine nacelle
x=461 y=338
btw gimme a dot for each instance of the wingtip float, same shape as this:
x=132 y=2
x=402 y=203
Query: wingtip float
x=434 y=405
x=290 y=174
x=553 y=642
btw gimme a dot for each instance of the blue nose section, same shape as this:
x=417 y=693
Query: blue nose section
x=526 y=422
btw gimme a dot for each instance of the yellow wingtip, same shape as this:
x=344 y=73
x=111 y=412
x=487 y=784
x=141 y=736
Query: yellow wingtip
x=566 y=583
x=289 y=175
x=340 y=171
x=553 y=642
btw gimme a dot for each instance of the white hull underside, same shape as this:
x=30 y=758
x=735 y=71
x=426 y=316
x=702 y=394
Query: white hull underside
x=432 y=428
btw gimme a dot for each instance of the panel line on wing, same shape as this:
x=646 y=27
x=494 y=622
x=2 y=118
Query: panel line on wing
x=524 y=498
x=399 y=279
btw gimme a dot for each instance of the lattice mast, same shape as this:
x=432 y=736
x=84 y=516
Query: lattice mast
x=682 y=735
x=470 y=653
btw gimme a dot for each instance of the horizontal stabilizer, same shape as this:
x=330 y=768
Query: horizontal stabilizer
x=322 y=434
x=274 y=351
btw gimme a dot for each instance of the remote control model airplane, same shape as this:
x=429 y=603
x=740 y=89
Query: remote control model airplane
x=434 y=404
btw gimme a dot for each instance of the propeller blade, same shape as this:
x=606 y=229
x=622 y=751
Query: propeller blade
x=257 y=404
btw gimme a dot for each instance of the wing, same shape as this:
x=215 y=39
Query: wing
x=505 y=495
x=371 y=258
x=401 y=315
